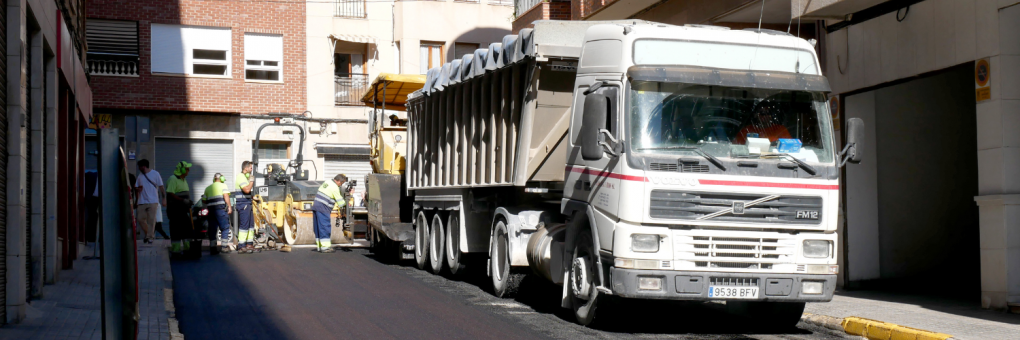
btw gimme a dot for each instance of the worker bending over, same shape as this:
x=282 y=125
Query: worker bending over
x=245 y=216
x=217 y=199
x=327 y=199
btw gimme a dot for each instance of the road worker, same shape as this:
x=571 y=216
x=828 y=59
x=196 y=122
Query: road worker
x=217 y=200
x=328 y=199
x=178 y=209
x=245 y=217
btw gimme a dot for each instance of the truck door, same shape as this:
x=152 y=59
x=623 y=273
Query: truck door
x=596 y=181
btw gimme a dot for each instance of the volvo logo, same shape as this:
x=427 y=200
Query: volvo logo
x=689 y=182
x=738 y=208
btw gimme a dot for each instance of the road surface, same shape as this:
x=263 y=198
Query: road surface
x=352 y=295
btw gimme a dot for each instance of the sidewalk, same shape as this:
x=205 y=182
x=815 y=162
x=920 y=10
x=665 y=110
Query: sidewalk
x=961 y=319
x=70 y=309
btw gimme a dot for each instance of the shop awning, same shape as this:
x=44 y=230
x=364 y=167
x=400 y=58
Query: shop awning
x=390 y=90
x=354 y=38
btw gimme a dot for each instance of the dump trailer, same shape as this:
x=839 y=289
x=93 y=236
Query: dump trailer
x=633 y=160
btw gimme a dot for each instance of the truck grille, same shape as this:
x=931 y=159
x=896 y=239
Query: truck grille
x=717 y=249
x=675 y=167
x=691 y=205
x=733 y=281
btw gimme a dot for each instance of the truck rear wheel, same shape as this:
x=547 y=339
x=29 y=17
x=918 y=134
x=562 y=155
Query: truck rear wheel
x=437 y=235
x=582 y=289
x=772 y=315
x=453 y=243
x=421 y=240
x=504 y=281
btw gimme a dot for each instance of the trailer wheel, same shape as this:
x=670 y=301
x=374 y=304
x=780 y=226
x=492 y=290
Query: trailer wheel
x=504 y=281
x=421 y=240
x=453 y=254
x=583 y=269
x=436 y=250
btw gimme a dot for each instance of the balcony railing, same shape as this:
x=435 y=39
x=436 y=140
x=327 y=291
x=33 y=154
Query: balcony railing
x=349 y=8
x=522 y=6
x=118 y=66
x=350 y=87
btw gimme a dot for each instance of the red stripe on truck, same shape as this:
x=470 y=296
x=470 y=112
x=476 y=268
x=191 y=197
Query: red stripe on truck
x=769 y=185
x=606 y=174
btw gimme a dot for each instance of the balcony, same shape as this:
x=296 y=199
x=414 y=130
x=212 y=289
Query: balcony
x=349 y=9
x=350 y=87
x=117 y=66
x=523 y=6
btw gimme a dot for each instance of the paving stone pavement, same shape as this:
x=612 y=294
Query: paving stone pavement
x=70 y=308
x=963 y=319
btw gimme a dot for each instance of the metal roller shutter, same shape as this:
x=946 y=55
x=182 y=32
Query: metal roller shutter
x=354 y=166
x=207 y=157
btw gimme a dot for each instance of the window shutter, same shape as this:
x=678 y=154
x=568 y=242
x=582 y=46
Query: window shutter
x=112 y=37
x=206 y=38
x=168 y=49
x=423 y=59
x=263 y=47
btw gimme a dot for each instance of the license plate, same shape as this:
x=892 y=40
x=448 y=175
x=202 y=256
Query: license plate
x=733 y=292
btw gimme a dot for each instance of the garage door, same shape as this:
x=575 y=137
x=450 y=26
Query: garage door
x=356 y=167
x=207 y=157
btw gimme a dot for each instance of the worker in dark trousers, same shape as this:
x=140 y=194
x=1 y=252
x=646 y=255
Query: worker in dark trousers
x=245 y=217
x=327 y=199
x=178 y=210
x=217 y=199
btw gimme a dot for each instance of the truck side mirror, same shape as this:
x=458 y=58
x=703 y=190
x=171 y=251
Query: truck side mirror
x=854 y=137
x=593 y=119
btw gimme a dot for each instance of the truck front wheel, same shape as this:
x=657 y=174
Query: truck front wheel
x=772 y=315
x=421 y=240
x=582 y=288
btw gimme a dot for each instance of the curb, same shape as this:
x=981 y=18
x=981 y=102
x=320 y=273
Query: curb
x=872 y=329
x=168 y=302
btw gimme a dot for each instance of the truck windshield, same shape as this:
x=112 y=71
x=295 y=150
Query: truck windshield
x=729 y=121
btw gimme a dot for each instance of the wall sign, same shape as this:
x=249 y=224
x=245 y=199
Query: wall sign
x=982 y=77
x=101 y=121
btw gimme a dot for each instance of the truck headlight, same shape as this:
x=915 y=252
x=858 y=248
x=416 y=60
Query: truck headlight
x=817 y=248
x=645 y=243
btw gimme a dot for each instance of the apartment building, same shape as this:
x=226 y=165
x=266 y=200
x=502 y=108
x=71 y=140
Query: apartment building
x=350 y=42
x=194 y=80
x=45 y=111
x=937 y=83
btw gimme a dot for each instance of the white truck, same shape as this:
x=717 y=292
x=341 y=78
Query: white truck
x=631 y=159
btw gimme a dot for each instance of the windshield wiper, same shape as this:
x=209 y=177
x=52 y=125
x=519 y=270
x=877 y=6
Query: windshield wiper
x=696 y=149
x=809 y=169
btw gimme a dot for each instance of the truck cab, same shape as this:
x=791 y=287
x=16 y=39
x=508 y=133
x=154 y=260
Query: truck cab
x=701 y=166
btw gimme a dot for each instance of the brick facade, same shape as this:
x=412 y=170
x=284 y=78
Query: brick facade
x=181 y=93
x=555 y=10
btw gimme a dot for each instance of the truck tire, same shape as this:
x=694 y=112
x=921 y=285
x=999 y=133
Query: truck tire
x=421 y=240
x=582 y=289
x=504 y=280
x=453 y=254
x=770 y=315
x=437 y=235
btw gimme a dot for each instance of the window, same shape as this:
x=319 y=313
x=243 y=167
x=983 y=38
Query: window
x=460 y=49
x=269 y=150
x=191 y=50
x=348 y=64
x=263 y=57
x=113 y=47
x=431 y=55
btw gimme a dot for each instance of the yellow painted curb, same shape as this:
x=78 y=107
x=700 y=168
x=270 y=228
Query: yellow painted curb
x=878 y=330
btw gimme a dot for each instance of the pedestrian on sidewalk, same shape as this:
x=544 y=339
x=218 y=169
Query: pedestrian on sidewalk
x=149 y=188
x=245 y=216
x=217 y=200
x=178 y=210
x=328 y=198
